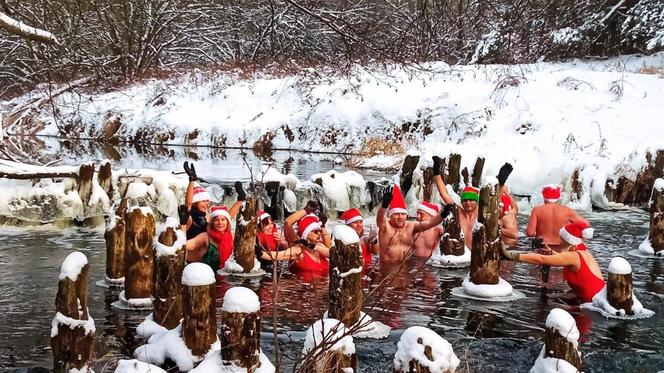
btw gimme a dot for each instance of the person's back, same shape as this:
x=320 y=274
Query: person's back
x=546 y=220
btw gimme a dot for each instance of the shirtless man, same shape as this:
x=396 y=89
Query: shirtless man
x=546 y=220
x=395 y=234
x=427 y=241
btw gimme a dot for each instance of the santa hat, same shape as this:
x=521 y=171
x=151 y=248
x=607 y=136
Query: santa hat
x=200 y=194
x=576 y=232
x=397 y=204
x=263 y=215
x=551 y=193
x=220 y=211
x=428 y=207
x=470 y=192
x=351 y=216
x=308 y=224
x=505 y=204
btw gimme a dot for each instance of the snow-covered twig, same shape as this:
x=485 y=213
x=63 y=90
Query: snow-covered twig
x=28 y=32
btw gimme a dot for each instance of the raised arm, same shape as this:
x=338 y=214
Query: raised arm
x=241 y=197
x=189 y=195
x=508 y=227
x=440 y=184
x=289 y=230
x=436 y=220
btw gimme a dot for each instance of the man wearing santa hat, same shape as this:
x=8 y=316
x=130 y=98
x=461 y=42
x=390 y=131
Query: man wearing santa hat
x=546 y=220
x=353 y=218
x=396 y=235
x=427 y=241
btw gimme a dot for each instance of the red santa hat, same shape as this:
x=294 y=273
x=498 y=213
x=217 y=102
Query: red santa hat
x=220 y=211
x=200 y=194
x=308 y=224
x=428 y=207
x=576 y=232
x=351 y=216
x=551 y=193
x=397 y=204
x=263 y=215
x=505 y=204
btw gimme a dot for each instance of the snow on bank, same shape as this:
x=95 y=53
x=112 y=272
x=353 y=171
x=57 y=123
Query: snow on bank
x=136 y=366
x=411 y=347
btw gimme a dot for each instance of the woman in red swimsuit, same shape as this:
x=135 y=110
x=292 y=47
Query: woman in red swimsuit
x=580 y=269
x=313 y=257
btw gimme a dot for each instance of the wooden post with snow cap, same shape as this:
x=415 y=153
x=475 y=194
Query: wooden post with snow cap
x=73 y=331
x=454 y=177
x=485 y=253
x=115 y=245
x=85 y=175
x=421 y=350
x=452 y=242
x=240 y=329
x=561 y=341
x=407 y=169
x=245 y=235
x=619 y=286
x=168 y=266
x=656 y=232
x=345 y=286
x=477 y=171
x=139 y=255
x=428 y=183
x=328 y=348
x=105 y=178
x=199 y=324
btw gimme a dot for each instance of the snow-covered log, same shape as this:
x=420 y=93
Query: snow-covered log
x=619 y=285
x=407 y=169
x=421 y=350
x=453 y=176
x=240 y=329
x=114 y=235
x=139 y=255
x=345 y=286
x=328 y=348
x=169 y=263
x=485 y=256
x=656 y=232
x=73 y=330
x=22 y=171
x=561 y=343
x=199 y=324
x=28 y=32
x=245 y=235
x=477 y=172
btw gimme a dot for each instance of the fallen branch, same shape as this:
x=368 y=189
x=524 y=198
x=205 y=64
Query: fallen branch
x=27 y=32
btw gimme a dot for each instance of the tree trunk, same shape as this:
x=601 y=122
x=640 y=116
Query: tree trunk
x=656 y=233
x=241 y=339
x=167 y=298
x=199 y=325
x=139 y=254
x=454 y=178
x=619 y=292
x=105 y=178
x=85 y=175
x=485 y=253
x=452 y=242
x=275 y=193
x=557 y=346
x=245 y=235
x=115 y=245
x=330 y=362
x=345 y=286
x=407 y=169
x=464 y=174
x=428 y=184
x=73 y=348
x=477 y=172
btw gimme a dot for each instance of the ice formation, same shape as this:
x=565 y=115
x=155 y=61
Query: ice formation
x=501 y=289
x=450 y=261
x=168 y=345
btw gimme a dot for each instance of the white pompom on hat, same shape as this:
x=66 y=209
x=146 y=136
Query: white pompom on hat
x=575 y=233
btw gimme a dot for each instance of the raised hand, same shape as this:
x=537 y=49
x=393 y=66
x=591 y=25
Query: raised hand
x=504 y=173
x=183 y=214
x=312 y=207
x=387 y=197
x=190 y=171
x=446 y=210
x=437 y=161
x=241 y=194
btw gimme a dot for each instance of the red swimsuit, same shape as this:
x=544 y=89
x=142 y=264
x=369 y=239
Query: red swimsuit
x=308 y=264
x=366 y=255
x=267 y=240
x=584 y=282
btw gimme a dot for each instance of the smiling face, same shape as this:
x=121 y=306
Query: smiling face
x=267 y=226
x=202 y=206
x=358 y=227
x=398 y=220
x=315 y=236
x=219 y=223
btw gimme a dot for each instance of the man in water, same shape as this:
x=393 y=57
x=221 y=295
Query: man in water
x=509 y=233
x=396 y=235
x=546 y=220
x=427 y=241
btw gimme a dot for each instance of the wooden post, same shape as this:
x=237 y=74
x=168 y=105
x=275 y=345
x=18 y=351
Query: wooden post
x=619 y=287
x=407 y=169
x=85 y=174
x=477 y=172
x=452 y=242
x=245 y=235
x=485 y=253
x=656 y=232
x=199 y=325
x=416 y=355
x=327 y=348
x=464 y=174
x=275 y=193
x=576 y=186
x=73 y=332
x=240 y=329
x=345 y=286
x=454 y=178
x=105 y=178
x=139 y=253
x=168 y=266
x=557 y=342
x=428 y=184
x=115 y=245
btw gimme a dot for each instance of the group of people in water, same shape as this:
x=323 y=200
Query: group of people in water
x=305 y=242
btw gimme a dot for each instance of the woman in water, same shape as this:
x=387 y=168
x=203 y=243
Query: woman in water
x=311 y=242
x=580 y=269
x=215 y=245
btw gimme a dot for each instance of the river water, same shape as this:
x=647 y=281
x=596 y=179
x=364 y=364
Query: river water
x=497 y=337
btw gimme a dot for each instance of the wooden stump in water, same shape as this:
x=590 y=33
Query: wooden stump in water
x=454 y=177
x=619 y=288
x=576 y=186
x=139 y=253
x=464 y=174
x=240 y=329
x=345 y=286
x=656 y=232
x=477 y=172
x=557 y=346
x=407 y=169
x=275 y=193
x=485 y=253
x=72 y=335
x=168 y=266
x=105 y=178
x=85 y=175
x=199 y=324
x=326 y=348
x=421 y=350
x=245 y=235
x=452 y=242
x=428 y=184
x=115 y=245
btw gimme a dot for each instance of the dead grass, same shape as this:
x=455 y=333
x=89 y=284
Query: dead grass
x=650 y=70
x=374 y=146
